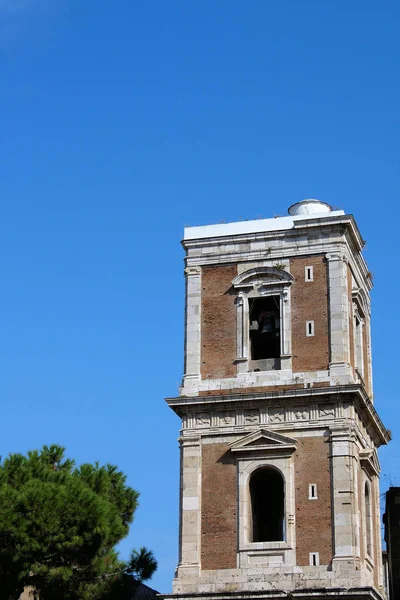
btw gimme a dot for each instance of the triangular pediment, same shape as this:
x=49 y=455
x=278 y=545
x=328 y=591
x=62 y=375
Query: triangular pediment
x=266 y=440
x=369 y=461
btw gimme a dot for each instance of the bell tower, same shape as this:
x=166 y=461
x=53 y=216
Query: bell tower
x=279 y=468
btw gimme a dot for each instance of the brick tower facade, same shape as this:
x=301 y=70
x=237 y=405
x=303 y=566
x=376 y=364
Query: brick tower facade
x=279 y=469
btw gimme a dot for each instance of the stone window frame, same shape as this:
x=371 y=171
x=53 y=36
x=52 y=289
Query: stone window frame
x=260 y=282
x=310 y=329
x=308 y=273
x=368 y=529
x=276 y=453
x=359 y=306
x=370 y=473
x=312 y=491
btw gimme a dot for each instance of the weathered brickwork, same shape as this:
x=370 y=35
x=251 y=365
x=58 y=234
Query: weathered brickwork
x=218 y=322
x=218 y=508
x=313 y=517
x=310 y=303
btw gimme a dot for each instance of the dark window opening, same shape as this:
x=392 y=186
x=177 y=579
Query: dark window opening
x=265 y=336
x=267 y=504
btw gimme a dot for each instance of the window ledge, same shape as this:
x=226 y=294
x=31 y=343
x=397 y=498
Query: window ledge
x=257 y=547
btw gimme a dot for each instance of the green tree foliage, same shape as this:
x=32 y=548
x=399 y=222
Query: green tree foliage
x=59 y=525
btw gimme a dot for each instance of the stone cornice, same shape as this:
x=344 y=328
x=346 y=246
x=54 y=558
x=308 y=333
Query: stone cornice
x=215 y=251
x=364 y=406
x=299 y=227
x=366 y=593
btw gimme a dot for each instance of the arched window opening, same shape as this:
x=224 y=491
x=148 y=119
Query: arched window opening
x=368 y=519
x=267 y=504
x=265 y=334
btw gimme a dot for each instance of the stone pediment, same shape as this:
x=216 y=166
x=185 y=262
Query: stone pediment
x=266 y=441
x=262 y=276
x=369 y=461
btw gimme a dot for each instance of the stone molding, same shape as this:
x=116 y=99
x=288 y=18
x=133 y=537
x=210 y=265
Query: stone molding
x=286 y=410
x=369 y=462
x=271 y=443
x=262 y=275
x=335 y=593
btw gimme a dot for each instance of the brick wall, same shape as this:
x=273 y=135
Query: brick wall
x=218 y=508
x=310 y=303
x=313 y=517
x=218 y=322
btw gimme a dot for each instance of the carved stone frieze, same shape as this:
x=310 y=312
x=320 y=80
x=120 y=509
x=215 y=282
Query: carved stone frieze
x=327 y=411
x=252 y=417
x=276 y=415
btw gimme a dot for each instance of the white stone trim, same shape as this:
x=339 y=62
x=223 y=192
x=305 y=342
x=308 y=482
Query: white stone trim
x=344 y=467
x=312 y=491
x=310 y=329
x=309 y=273
x=265 y=553
x=190 y=494
x=259 y=282
x=192 y=328
x=338 y=316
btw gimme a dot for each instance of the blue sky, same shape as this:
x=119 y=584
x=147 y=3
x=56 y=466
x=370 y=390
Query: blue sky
x=123 y=121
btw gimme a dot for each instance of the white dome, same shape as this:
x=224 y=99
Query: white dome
x=309 y=207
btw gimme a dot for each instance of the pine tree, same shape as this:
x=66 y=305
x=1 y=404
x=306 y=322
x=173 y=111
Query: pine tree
x=59 y=525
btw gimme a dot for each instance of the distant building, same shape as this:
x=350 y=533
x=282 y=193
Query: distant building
x=392 y=539
x=279 y=467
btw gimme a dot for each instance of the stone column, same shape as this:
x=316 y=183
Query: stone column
x=190 y=494
x=192 y=330
x=344 y=496
x=338 y=318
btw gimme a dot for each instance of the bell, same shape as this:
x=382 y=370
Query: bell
x=267 y=326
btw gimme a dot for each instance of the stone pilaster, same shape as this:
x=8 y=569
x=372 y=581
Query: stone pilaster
x=192 y=329
x=338 y=318
x=190 y=494
x=344 y=500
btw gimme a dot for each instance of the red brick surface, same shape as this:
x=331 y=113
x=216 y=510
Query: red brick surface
x=218 y=508
x=310 y=303
x=313 y=517
x=218 y=322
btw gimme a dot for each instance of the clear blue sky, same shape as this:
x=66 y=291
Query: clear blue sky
x=120 y=123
